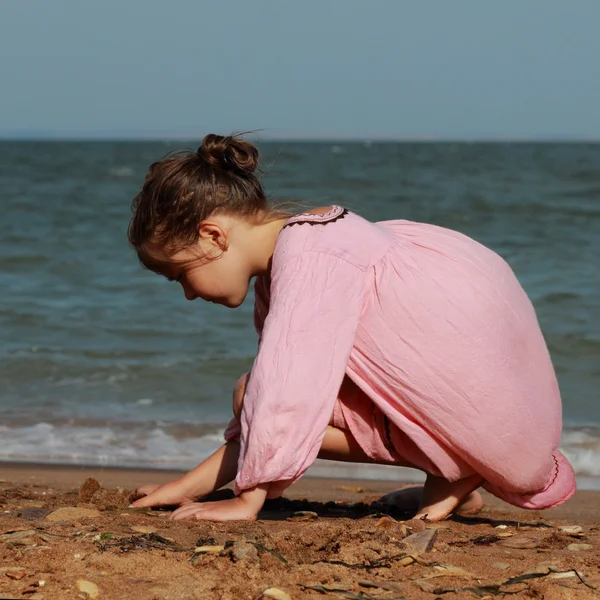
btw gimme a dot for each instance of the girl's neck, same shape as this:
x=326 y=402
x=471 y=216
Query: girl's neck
x=262 y=239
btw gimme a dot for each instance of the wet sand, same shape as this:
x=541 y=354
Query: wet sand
x=330 y=538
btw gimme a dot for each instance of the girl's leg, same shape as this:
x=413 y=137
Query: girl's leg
x=438 y=498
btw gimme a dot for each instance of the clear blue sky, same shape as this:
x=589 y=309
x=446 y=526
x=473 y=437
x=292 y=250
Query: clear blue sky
x=336 y=68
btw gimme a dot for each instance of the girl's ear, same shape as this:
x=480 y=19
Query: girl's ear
x=213 y=234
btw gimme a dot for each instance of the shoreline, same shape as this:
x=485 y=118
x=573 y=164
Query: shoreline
x=584 y=505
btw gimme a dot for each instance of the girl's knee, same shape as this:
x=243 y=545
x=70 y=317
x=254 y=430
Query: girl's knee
x=238 y=395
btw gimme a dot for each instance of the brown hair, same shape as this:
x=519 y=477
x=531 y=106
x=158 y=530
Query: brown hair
x=183 y=189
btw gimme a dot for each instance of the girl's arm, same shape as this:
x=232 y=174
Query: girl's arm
x=217 y=470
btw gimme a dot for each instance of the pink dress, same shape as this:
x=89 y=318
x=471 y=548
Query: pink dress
x=437 y=345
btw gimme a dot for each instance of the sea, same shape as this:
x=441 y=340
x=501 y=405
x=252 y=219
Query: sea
x=104 y=363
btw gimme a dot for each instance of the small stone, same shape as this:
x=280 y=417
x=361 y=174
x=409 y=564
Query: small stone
x=16 y=534
x=500 y=565
x=519 y=541
x=143 y=529
x=505 y=534
x=579 y=547
x=72 y=513
x=385 y=522
x=208 y=549
x=563 y=575
x=109 y=499
x=391 y=586
x=571 y=529
x=243 y=551
x=87 y=587
x=33 y=513
x=501 y=527
x=304 y=515
x=88 y=488
x=420 y=542
x=415 y=525
x=276 y=594
x=16 y=574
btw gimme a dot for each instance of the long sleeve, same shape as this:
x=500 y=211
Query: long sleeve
x=315 y=306
x=261 y=309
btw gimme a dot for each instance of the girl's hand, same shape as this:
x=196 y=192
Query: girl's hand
x=243 y=508
x=170 y=494
x=224 y=510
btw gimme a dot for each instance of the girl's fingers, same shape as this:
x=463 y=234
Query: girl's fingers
x=148 y=489
x=186 y=511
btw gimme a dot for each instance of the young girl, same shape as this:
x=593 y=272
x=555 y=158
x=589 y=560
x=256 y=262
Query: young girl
x=394 y=342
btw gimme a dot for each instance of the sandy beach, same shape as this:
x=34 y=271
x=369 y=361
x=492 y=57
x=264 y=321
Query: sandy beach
x=329 y=538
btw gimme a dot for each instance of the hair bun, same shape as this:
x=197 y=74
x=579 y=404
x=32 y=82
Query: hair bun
x=229 y=153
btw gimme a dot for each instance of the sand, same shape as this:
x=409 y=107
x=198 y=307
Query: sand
x=329 y=539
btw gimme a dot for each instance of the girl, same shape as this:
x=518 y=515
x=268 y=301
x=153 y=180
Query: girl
x=393 y=342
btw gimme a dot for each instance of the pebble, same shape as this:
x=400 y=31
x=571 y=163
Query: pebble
x=33 y=513
x=88 y=488
x=72 y=513
x=304 y=515
x=143 y=529
x=579 y=547
x=385 y=522
x=276 y=594
x=519 y=541
x=563 y=575
x=87 y=587
x=571 y=529
x=208 y=549
x=17 y=534
x=16 y=574
x=500 y=565
x=420 y=542
x=243 y=551
x=415 y=525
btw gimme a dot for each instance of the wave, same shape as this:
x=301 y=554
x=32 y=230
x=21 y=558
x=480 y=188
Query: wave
x=181 y=446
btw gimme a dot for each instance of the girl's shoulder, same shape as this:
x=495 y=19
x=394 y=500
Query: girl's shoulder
x=332 y=230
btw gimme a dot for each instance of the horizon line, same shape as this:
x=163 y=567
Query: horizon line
x=51 y=136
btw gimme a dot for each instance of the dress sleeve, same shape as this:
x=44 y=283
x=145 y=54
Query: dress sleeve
x=315 y=306
x=261 y=309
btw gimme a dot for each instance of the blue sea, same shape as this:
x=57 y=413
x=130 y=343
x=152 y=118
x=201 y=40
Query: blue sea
x=104 y=363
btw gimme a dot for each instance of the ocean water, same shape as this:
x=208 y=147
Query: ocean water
x=102 y=362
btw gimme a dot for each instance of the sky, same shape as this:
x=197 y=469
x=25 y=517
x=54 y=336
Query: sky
x=429 y=69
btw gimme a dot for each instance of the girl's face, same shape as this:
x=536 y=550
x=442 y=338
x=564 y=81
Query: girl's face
x=221 y=279
x=216 y=268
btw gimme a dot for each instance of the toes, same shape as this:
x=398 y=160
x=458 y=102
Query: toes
x=441 y=497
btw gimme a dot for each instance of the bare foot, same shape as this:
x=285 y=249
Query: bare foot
x=442 y=497
x=409 y=498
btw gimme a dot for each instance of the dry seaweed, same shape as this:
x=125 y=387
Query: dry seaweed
x=276 y=554
x=138 y=542
x=500 y=588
